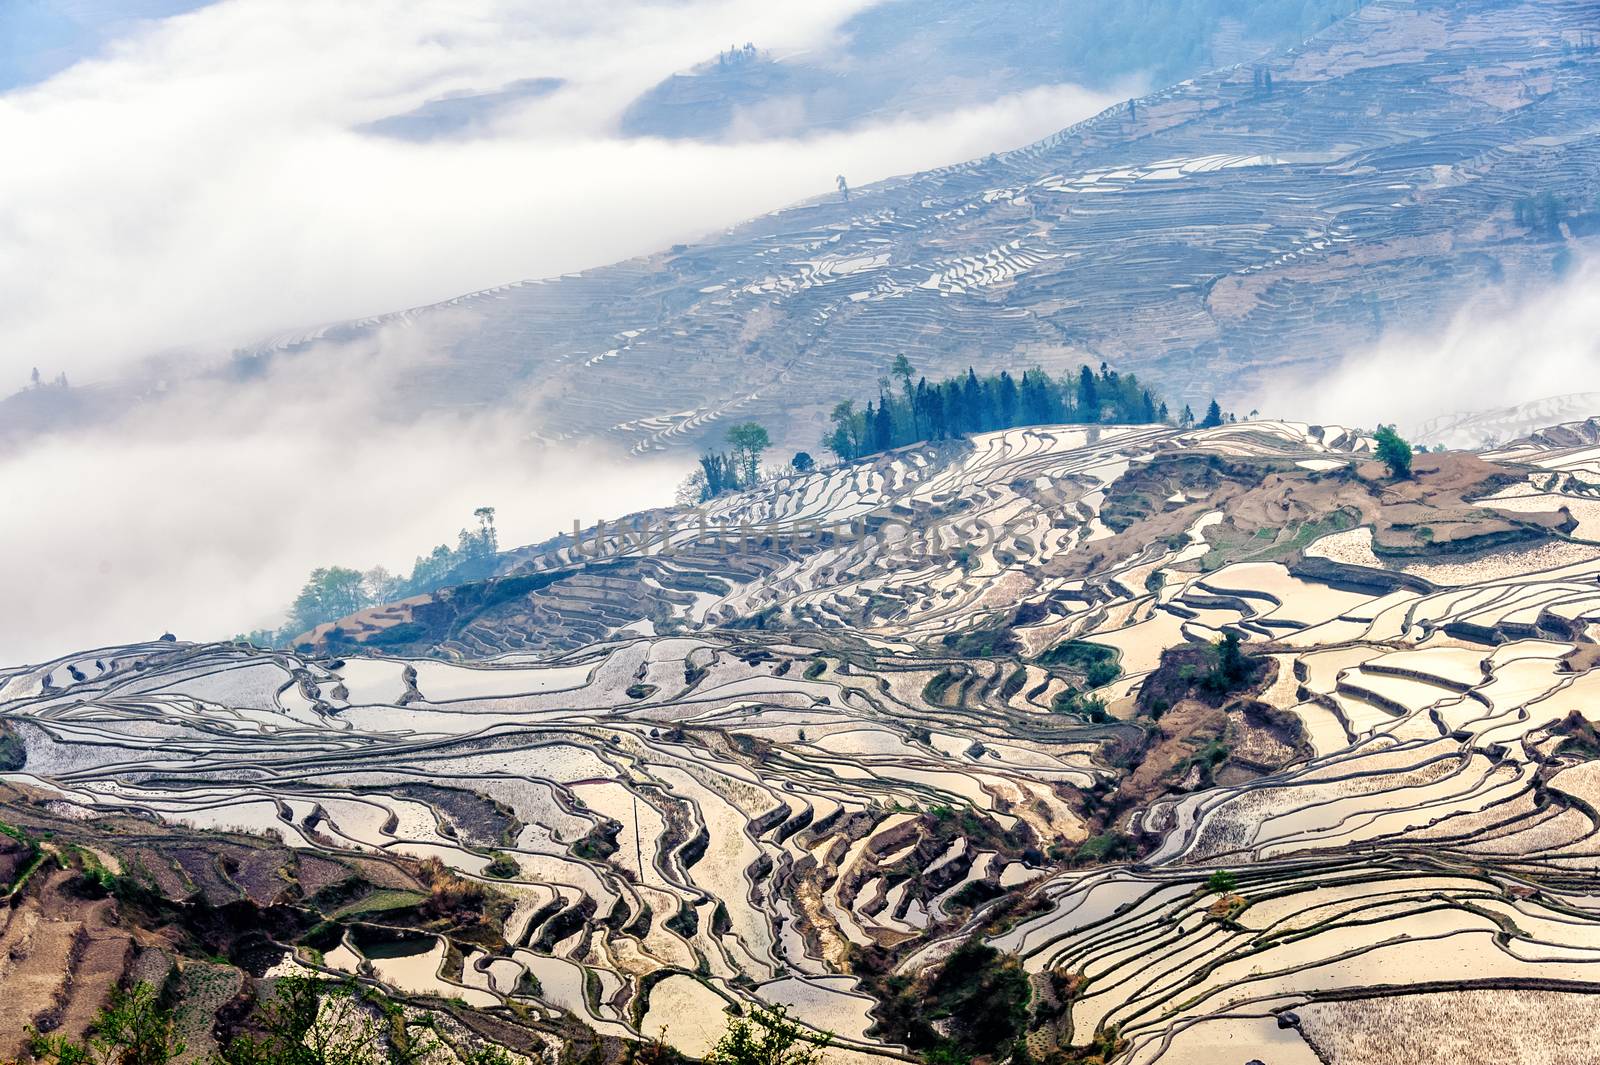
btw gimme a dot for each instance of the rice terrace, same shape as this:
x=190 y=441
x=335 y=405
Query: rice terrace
x=1069 y=696
x=813 y=777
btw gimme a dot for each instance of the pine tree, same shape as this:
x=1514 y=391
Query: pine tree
x=1008 y=401
x=901 y=368
x=882 y=426
x=972 y=403
x=1088 y=396
x=929 y=414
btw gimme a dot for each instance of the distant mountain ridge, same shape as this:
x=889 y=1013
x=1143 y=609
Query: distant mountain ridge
x=929 y=57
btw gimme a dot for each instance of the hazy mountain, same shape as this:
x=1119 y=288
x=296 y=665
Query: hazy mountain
x=460 y=113
x=914 y=57
x=1258 y=220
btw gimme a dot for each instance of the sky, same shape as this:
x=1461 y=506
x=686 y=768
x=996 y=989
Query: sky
x=183 y=185
x=39 y=38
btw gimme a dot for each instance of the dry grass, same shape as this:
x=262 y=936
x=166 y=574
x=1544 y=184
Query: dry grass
x=1457 y=1028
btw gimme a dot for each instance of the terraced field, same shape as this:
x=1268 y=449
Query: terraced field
x=819 y=737
x=1255 y=220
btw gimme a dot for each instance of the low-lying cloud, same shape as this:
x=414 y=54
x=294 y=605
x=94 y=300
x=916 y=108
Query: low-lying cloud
x=203 y=514
x=1503 y=348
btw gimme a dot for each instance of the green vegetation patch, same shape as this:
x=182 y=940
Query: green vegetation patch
x=1213 y=672
x=983 y=643
x=1080 y=703
x=13 y=753
x=502 y=866
x=599 y=843
x=940 y=684
x=1228 y=545
x=384 y=900
x=1097 y=663
x=1106 y=847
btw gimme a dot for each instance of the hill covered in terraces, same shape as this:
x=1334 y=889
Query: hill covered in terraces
x=1253 y=221
x=1064 y=743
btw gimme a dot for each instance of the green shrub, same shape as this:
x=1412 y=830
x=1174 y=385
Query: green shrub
x=934 y=691
x=1393 y=452
x=132 y=1029
x=766 y=1037
x=1080 y=704
x=1106 y=847
x=1097 y=664
x=502 y=866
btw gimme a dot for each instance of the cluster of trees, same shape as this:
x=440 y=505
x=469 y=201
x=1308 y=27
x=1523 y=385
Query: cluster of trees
x=1233 y=670
x=973 y=1007
x=907 y=412
x=737 y=56
x=1543 y=214
x=733 y=470
x=332 y=592
x=35 y=380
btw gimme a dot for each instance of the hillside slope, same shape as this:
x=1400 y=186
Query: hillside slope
x=1255 y=221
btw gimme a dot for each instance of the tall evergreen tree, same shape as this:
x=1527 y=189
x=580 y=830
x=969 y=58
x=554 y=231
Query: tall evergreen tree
x=929 y=411
x=971 y=403
x=901 y=368
x=1008 y=400
x=1088 y=396
x=882 y=426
